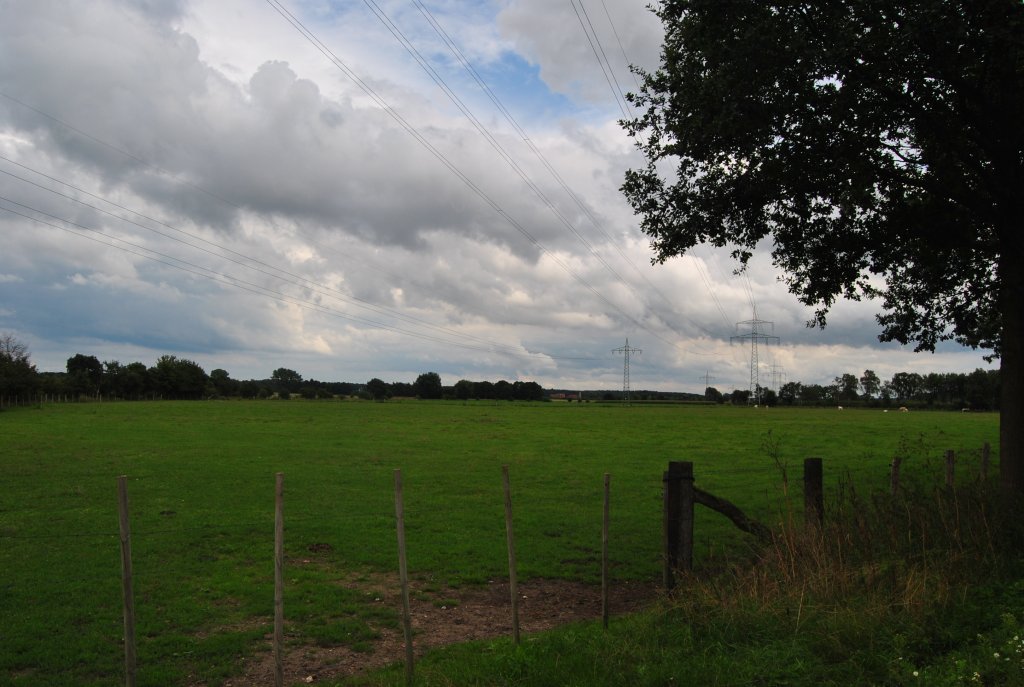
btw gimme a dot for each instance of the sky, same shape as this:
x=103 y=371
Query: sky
x=355 y=189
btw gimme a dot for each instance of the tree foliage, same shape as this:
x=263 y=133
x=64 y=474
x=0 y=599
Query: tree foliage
x=875 y=144
x=17 y=373
x=428 y=385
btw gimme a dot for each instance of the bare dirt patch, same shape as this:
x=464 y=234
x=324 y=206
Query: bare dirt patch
x=446 y=617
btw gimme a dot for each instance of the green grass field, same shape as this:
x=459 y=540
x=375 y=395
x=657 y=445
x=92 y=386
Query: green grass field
x=201 y=478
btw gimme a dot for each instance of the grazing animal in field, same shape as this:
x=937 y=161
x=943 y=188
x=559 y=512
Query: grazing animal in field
x=840 y=407
x=904 y=409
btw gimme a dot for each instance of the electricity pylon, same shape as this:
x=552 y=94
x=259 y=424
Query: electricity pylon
x=625 y=351
x=758 y=332
x=778 y=374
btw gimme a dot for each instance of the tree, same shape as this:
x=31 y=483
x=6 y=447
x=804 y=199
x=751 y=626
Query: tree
x=905 y=385
x=176 y=377
x=713 y=395
x=378 y=389
x=464 y=389
x=870 y=384
x=17 y=373
x=876 y=144
x=845 y=388
x=222 y=382
x=789 y=393
x=285 y=379
x=428 y=385
x=85 y=373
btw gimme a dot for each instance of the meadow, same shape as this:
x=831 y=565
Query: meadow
x=201 y=478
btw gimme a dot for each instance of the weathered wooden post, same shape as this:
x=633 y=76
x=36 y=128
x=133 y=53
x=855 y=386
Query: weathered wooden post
x=894 y=475
x=950 y=463
x=126 y=582
x=678 y=500
x=814 y=493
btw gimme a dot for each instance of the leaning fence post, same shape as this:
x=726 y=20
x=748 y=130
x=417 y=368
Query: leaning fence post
x=279 y=579
x=126 y=582
x=950 y=462
x=814 y=497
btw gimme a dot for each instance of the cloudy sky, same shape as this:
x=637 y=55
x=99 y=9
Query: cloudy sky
x=367 y=189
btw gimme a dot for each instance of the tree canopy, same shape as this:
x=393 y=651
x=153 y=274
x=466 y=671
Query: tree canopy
x=17 y=373
x=875 y=145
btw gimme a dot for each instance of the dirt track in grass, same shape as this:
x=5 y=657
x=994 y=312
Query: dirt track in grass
x=447 y=617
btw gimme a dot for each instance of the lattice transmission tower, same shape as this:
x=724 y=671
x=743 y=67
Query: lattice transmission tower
x=758 y=332
x=626 y=351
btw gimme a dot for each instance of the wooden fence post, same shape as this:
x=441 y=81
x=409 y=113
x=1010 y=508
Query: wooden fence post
x=894 y=475
x=677 y=530
x=604 y=553
x=279 y=579
x=814 y=496
x=403 y=574
x=670 y=524
x=510 y=539
x=950 y=462
x=126 y=582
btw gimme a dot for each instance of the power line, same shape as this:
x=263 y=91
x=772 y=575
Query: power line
x=471 y=70
x=298 y=25
x=302 y=281
x=230 y=280
x=609 y=73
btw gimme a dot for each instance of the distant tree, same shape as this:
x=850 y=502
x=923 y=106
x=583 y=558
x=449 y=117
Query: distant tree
x=285 y=379
x=740 y=397
x=870 y=384
x=812 y=394
x=428 y=386
x=402 y=390
x=981 y=390
x=503 y=390
x=845 y=388
x=790 y=392
x=527 y=391
x=179 y=378
x=85 y=373
x=906 y=385
x=378 y=389
x=712 y=394
x=17 y=373
x=768 y=397
x=484 y=390
x=464 y=389
x=136 y=381
x=222 y=383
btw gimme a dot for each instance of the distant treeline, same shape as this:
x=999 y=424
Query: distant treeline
x=178 y=378
x=978 y=390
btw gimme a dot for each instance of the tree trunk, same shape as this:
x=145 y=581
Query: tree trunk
x=1011 y=374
